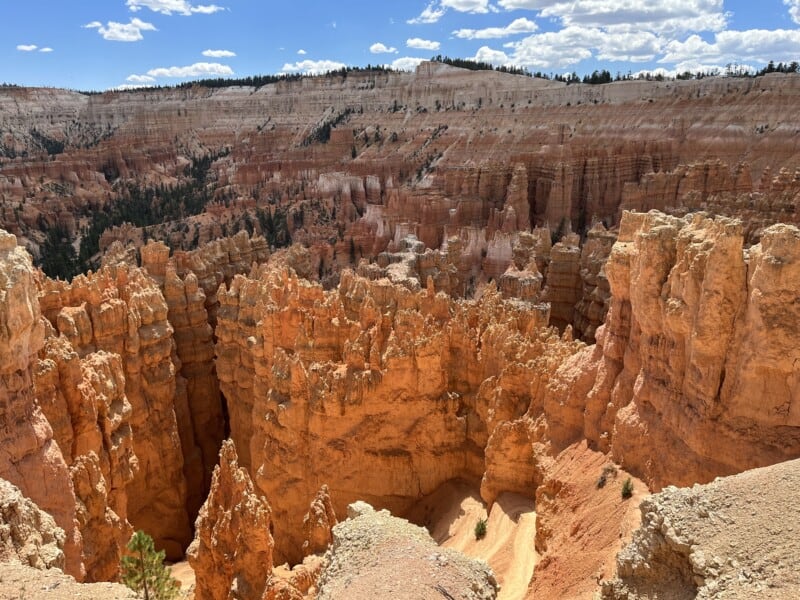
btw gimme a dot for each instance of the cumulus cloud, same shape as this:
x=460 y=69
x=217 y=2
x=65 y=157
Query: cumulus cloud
x=631 y=15
x=517 y=26
x=794 y=9
x=494 y=57
x=302 y=52
x=469 y=6
x=139 y=79
x=421 y=44
x=753 y=45
x=46 y=49
x=379 y=48
x=27 y=47
x=199 y=69
x=556 y=49
x=169 y=7
x=571 y=45
x=218 y=53
x=431 y=14
x=121 y=32
x=406 y=63
x=312 y=67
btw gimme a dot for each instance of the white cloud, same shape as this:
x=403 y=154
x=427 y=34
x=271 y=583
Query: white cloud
x=207 y=9
x=556 y=49
x=302 y=52
x=312 y=67
x=140 y=79
x=218 y=53
x=46 y=49
x=27 y=47
x=494 y=57
x=631 y=15
x=406 y=63
x=517 y=26
x=379 y=48
x=200 y=69
x=431 y=14
x=754 y=45
x=168 y=7
x=571 y=45
x=130 y=86
x=629 y=47
x=794 y=9
x=470 y=6
x=421 y=44
x=121 y=32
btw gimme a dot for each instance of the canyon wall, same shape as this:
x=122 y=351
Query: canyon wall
x=381 y=393
x=695 y=363
x=121 y=311
x=31 y=458
x=438 y=153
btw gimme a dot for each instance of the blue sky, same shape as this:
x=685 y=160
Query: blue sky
x=101 y=44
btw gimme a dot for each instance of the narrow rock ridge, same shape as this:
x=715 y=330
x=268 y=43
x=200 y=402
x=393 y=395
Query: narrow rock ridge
x=31 y=458
x=120 y=310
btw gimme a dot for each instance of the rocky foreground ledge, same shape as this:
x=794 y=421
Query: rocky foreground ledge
x=376 y=555
x=737 y=537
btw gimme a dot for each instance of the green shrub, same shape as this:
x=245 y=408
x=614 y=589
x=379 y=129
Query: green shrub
x=627 y=489
x=480 y=529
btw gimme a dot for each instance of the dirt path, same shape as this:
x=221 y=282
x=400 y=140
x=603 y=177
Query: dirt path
x=451 y=514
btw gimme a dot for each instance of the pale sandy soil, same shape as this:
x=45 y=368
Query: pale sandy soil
x=185 y=576
x=451 y=514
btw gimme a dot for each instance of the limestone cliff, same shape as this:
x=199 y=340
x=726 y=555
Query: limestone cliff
x=121 y=311
x=392 y=392
x=695 y=364
x=31 y=458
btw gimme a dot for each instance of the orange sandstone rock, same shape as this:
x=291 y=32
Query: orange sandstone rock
x=232 y=551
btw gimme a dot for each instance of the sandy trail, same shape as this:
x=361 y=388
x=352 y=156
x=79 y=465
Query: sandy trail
x=451 y=513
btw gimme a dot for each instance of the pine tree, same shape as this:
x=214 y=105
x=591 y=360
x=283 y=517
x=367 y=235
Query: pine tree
x=144 y=572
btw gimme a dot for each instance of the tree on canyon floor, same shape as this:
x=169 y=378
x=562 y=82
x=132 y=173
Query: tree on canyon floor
x=144 y=572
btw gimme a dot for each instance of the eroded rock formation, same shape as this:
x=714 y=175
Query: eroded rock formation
x=232 y=551
x=84 y=400
x=31 y=458
x=318 y=523
x=693 y=364
x=121 y=311
x=373 y=379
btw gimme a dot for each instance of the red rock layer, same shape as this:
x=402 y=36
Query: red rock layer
x=120 y=310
